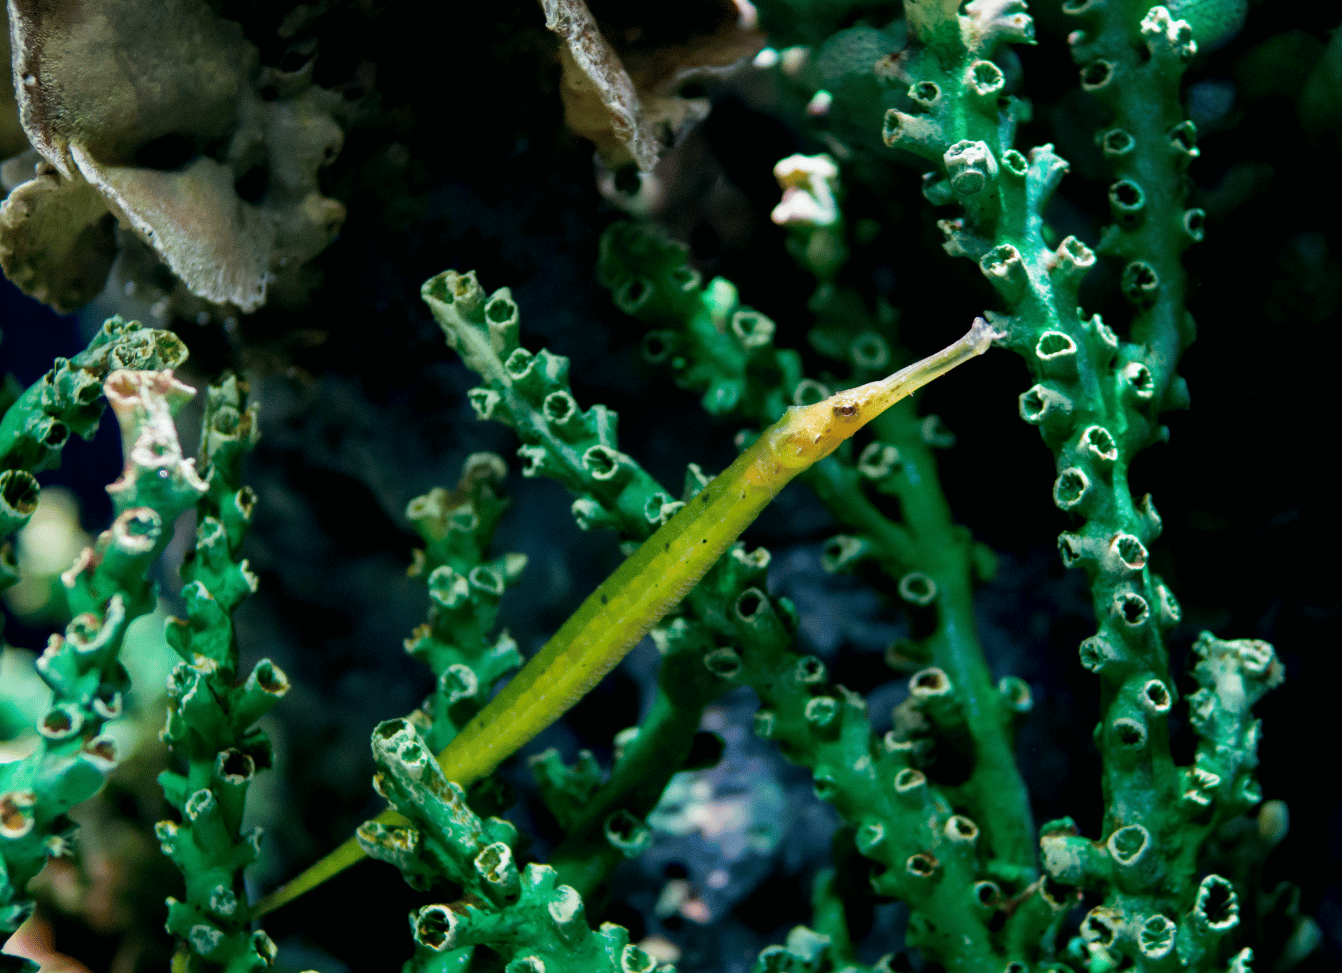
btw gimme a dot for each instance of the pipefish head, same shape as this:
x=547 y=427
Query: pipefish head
x=807 y=434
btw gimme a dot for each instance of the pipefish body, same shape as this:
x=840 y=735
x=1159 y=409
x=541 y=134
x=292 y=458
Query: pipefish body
x=654 y=579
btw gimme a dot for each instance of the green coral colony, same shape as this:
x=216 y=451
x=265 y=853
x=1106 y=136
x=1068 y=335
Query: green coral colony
x=986 y=891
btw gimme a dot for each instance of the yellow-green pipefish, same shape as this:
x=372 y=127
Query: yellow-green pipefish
x=654 y=579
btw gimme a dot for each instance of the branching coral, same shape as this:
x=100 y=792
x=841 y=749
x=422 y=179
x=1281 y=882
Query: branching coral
x=918 y=778
x=107 y=588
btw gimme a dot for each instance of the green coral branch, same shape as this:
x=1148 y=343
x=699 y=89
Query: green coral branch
x=1096 y=400
x=713 y=344
x=107 y=588
x=970 y=911
x=523 y=914
x=464 y=590
x=1147 y=884
x=211 y=730
x=530 y=393
x=1132 y=57
x=68 y=398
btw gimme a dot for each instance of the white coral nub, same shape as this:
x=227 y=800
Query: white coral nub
x=808 y=183
x=1177 y=34
x=144 y=402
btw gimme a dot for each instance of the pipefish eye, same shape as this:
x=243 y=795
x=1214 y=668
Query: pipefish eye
x=846 y=410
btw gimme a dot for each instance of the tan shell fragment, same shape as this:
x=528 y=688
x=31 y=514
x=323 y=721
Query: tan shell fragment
x=600 y=101
x=113 y=94
x=215 y=243
x=625 y=102
x=56 y=240
x=116 y=74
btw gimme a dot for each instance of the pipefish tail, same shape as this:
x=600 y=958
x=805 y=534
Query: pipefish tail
x=654 y=579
